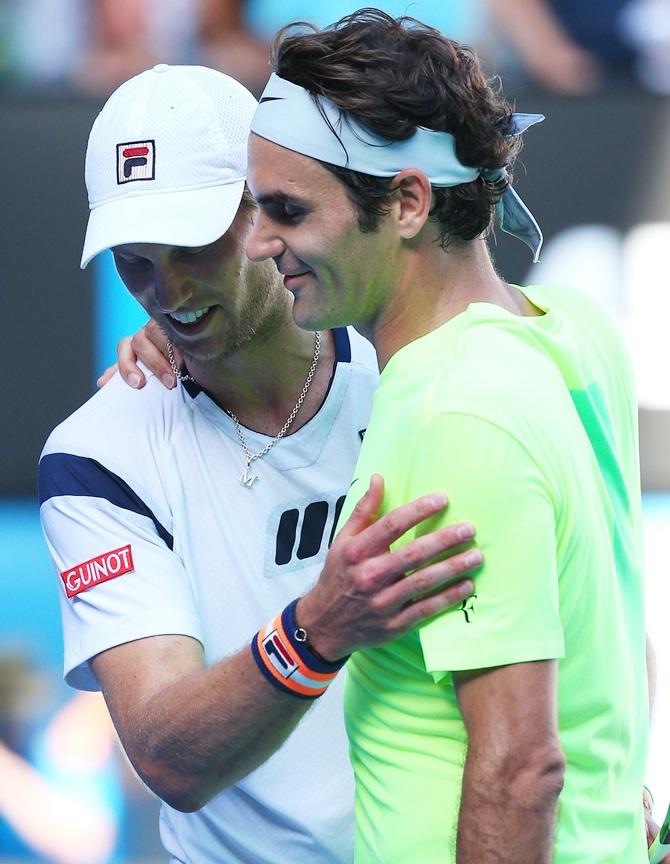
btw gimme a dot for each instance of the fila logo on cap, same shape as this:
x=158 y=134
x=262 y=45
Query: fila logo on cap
x=135 y=160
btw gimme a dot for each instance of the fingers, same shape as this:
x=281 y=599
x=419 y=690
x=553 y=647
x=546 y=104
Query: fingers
x=431 y=584
x=127 y=363
x=426 y=607
x=419 y=552
x=146 y=346
x=109 y=372
x=366 y=509
x=379 y=535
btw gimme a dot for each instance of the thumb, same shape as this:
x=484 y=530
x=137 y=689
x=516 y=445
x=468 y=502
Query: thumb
x=366 y=509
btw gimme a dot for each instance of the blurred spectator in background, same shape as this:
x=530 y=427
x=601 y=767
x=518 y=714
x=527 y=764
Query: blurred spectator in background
x=127 y=36
x=647 y=23
x=230 y=46
x=60 y=796
x=576 y=47
x=566 y=46
x=94 y=45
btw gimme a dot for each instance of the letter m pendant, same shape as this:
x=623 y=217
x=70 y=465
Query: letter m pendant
x=246 y=478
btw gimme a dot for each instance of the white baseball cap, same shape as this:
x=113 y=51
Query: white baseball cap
x=167 y=159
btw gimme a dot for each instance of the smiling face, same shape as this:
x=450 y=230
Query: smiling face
x=337 y=274
x=210 y=300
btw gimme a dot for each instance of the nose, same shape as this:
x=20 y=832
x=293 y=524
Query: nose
x=263 y=242
x=171 y=289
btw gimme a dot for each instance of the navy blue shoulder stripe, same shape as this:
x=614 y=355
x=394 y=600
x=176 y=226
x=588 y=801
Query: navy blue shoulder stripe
x=342 y=345
x=65 y=474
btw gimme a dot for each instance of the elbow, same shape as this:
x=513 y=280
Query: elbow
x=181 y=793
x=183 y=800
x=185 y=792
x=535 y=777
x=527 y=777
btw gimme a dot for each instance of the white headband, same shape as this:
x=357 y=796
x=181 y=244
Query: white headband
x=294 y=118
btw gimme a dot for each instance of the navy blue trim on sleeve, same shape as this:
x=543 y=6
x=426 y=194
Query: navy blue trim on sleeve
x=342 y=345
x=66 y=474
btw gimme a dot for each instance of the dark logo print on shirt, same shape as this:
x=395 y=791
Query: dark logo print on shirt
x=468 y=608
x=306 y=542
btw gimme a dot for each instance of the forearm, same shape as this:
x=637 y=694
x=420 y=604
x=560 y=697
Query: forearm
x=207 y=730
x=529 y=24
x=190 y=731
x=67 y=829
x=507 y=815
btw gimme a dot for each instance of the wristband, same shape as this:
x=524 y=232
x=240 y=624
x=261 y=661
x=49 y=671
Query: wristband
x=282 y=654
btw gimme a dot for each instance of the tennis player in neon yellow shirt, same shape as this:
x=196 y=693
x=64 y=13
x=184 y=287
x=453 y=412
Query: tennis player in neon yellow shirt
x=511 y=730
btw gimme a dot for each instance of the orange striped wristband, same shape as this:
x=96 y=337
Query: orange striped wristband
x=281 y=652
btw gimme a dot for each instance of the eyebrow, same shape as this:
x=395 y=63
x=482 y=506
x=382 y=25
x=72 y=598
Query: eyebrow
x=280 y=198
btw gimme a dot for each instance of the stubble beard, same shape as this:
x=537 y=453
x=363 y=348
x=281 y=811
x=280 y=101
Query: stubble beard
x=261 y=316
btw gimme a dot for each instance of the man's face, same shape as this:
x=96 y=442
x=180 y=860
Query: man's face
x=337 y=274
x=209 y=300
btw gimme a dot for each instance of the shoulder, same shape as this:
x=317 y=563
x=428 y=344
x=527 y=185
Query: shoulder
x=118 y=416
x=574 y=305
x=118 y=437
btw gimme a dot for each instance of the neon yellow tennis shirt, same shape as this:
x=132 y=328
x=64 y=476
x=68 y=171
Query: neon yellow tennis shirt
x=529 y=424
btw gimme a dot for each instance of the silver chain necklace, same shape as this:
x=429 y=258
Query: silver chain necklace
x=246 y=478
x=178 y=374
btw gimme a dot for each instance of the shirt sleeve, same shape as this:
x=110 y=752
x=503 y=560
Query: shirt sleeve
x=119 y=579
x=493 y=482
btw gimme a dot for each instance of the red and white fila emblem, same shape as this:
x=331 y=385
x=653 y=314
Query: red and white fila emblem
x=279 y=655
x=104 y=567
x=135 y=160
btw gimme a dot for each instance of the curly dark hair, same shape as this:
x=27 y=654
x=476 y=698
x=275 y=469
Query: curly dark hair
x=394 y=74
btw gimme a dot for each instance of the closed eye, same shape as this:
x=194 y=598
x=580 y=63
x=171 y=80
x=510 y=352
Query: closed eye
x=193 y=251
x=284 y=211
x=131 y=260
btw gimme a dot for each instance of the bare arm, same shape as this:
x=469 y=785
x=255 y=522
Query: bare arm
x=230 y=46
x=68 y=830
x=545 y=48
x=57 y=818
x=514 y=765
x=191 y=731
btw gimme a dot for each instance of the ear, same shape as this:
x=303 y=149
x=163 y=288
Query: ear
x=412 y=201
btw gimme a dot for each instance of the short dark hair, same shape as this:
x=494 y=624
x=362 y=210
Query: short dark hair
x=393 y=75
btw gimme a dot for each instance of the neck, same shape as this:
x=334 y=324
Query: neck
x=261 y=382
x=433 y=287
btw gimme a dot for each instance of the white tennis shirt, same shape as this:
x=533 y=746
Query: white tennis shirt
x=151 y=532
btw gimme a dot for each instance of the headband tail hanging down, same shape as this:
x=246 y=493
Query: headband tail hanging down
x=513 y=216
